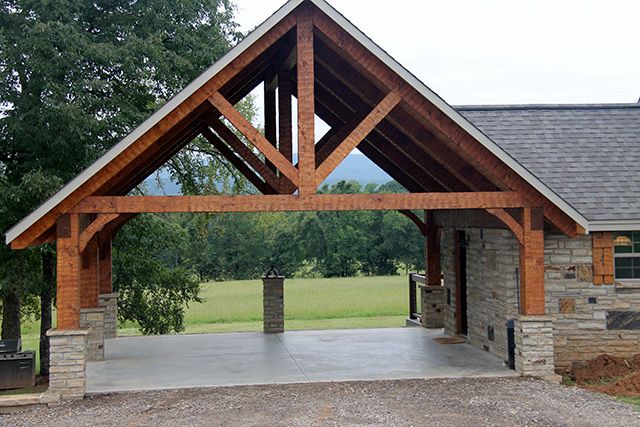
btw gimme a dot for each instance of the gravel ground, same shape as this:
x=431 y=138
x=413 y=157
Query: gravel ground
x=459 y=402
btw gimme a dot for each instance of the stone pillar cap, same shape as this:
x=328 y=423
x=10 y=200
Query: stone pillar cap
x=66 y=332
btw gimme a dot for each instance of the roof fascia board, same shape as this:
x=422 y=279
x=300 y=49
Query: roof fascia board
x=172 y=104
x=450 y=112
x=613 y=225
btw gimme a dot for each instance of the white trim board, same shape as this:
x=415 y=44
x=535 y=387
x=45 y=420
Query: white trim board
x=256 y=34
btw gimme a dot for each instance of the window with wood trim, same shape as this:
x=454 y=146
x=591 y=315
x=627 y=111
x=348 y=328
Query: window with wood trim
x=627 y=255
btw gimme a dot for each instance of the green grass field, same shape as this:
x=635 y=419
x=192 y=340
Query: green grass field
x=358 y=302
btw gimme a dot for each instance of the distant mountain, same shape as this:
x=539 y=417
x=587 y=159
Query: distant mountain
x=355 y=167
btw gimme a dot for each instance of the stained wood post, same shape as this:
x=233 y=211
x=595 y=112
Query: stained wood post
x=532 y=263
x=306 y=101
x=432 y=251
x=285 y=145
x=89 y=275
x=68 y=272
x=270 y=119
x=105 y=279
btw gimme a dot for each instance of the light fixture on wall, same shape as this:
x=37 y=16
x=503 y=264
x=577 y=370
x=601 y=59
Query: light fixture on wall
x=622 y=240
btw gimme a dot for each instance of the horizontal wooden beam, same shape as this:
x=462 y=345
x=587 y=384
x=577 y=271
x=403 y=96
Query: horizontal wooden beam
x=296 y=203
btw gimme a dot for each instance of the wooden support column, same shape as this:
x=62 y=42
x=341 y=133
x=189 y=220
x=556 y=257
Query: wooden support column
x=432 y=251
x=532 y=263
x=306 y=101
x=270 y=119
x=89 y=275
x=105 y=266
x=68 y=272
x=285 y=144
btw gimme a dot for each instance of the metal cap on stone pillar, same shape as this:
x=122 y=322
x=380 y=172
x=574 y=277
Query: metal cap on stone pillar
x=273 y=301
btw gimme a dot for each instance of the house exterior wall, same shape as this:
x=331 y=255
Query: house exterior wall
x=580 y=327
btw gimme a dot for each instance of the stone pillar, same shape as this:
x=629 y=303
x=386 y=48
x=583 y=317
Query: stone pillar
x=67 y=369
x=110 y=304
x=92 y=319
x=273 y=303
x=432 y=303
x=534 y=346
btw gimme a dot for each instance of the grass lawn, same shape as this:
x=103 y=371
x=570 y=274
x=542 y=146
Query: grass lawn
x=345 y=303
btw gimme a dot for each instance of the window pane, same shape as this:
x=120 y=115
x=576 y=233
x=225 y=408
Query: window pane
x=636 y=273
x=636 y=262
x=624 y=273
x=624 y=262
x=635 y=236
x=624 y=249
x=636 y=247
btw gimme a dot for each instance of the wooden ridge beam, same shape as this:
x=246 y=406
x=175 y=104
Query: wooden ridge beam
x=270 y=152
x=295 y=203
x=356 y=136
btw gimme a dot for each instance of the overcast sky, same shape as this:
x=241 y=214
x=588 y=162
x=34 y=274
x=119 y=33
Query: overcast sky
x=501 y=51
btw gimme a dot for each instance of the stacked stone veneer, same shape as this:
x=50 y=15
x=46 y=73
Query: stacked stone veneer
x=110 y=304
x=67 y=370
x=92 y=319
x=273 y=304
x=492 y=262
x=580 y=324
x=534 y=346
x=432 y=303
x=575 y=307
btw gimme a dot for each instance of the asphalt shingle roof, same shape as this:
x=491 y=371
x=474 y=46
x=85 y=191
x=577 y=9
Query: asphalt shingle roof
x=588 y=154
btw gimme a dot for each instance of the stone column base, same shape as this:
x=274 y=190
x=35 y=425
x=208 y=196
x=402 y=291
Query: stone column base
x=432 y=303
x=534 y=346
x=92 y=319
x=67 y=363
x=273 y=305
x=110 y=304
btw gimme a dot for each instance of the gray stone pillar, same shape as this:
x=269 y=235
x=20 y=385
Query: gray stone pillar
x=273 y=303
x=534 y=346
x=67 y=368
x=432 y=303
x=110 y=304
x=92 y=319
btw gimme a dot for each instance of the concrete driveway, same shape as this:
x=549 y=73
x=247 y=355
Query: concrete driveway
x=148 y=363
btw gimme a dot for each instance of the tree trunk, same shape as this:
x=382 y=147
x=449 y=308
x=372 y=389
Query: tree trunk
x=48 y=282
x=10 y=315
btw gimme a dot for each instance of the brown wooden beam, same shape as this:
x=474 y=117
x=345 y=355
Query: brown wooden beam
x=510 y=222
x=285 y=145
x=256 y=138
x=416 y=220
x=432 y=251
x=356 y=136
x=532 y=297
x=270 y=116
x=306 y=101
x=68 y=272
x=239 y=164
x=294 y=203
x=93 y=229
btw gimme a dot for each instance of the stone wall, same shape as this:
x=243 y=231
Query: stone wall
x=580 y=308
x=432 y=302
x=67 y=370
x=492 y=263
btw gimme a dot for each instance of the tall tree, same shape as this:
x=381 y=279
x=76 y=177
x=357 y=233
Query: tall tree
x=76 y=76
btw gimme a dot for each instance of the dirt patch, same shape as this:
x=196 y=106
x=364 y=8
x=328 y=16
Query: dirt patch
x=609 y=374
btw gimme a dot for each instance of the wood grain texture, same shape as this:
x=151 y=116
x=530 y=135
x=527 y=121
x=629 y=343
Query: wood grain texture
x=416 y=220
x=603 y=257
x=285 y=124
x=306 y=102
x=510 y=222
x=105 y=264
x=432 y=251
x=68 y=272
x=293 y=203
x=93 y=229
x=356 y=136
x=532 y=297
x=150 y=137
x=270 y=152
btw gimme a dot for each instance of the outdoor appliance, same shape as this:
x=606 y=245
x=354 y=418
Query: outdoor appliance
x=17 y=368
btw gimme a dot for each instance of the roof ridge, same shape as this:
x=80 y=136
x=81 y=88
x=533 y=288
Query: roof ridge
x=605 y=106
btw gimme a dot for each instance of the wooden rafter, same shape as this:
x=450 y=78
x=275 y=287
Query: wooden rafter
x=239 y=164
x=356 y=136
x=306 y=101
x=293 y=203
x=270 y=152
x=285 y=144
x=447 y=131
x=248 y=155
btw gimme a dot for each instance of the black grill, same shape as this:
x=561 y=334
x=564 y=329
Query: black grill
x=17 y=368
